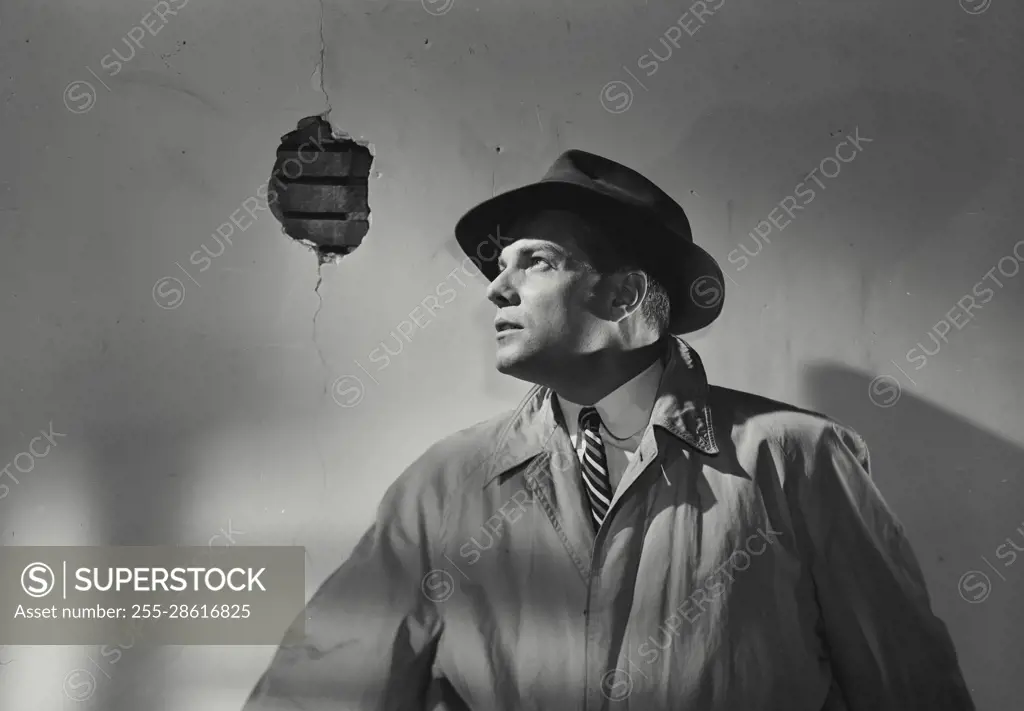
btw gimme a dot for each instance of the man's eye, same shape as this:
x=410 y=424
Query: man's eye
x=535 y=260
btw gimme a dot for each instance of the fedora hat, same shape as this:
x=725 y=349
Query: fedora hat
x=645 y=222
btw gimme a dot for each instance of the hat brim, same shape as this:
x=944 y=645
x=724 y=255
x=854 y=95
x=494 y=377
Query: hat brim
x=692 y=276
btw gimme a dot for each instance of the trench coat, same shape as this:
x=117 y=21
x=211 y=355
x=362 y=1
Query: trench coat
x=747 y=563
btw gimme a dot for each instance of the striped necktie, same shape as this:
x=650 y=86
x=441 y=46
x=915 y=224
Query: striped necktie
x=595 y=466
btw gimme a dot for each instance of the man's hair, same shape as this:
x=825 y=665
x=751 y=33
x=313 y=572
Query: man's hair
x=605 y=245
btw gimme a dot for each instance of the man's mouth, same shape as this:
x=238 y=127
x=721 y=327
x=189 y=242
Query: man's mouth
x=504 y=330
x=502 y=326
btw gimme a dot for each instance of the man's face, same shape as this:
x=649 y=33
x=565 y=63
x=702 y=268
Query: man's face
x=547 y=293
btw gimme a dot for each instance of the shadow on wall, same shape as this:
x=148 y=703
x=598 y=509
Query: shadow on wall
x=959 y=490
x=949 y=473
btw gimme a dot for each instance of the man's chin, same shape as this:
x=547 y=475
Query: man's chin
x=512 y=362
x=506 y=365
x=522 y=366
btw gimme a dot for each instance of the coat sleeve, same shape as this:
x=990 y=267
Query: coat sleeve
x=370 y=632
x=888 y=651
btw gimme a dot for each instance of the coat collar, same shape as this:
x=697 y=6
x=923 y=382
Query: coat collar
x=680 y=407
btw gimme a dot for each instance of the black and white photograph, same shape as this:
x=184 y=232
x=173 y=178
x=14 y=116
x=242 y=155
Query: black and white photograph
x=478 y=355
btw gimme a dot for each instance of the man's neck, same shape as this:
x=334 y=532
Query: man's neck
x=600 y=373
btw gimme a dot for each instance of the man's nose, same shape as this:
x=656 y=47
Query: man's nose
x=500 y=292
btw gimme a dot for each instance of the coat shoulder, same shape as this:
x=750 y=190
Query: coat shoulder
x=446 y=466
x=422 y=498
x=740 y=415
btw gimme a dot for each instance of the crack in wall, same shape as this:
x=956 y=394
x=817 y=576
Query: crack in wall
x=323 y=56
x=321 y=258
x=323 y=361
x=319 y=306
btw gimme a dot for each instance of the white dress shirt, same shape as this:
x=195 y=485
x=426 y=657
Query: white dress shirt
x=624 y=413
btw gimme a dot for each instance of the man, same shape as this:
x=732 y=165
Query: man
x=629 y=537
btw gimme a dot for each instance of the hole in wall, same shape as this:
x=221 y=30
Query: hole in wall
x=318 y=188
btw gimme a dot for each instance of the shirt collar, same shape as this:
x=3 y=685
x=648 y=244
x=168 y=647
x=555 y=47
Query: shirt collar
x=626 y=410
x=680 y=408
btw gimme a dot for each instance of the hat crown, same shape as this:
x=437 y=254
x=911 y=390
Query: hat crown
x=620 y=182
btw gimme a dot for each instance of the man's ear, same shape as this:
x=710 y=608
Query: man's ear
x=629 y=290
